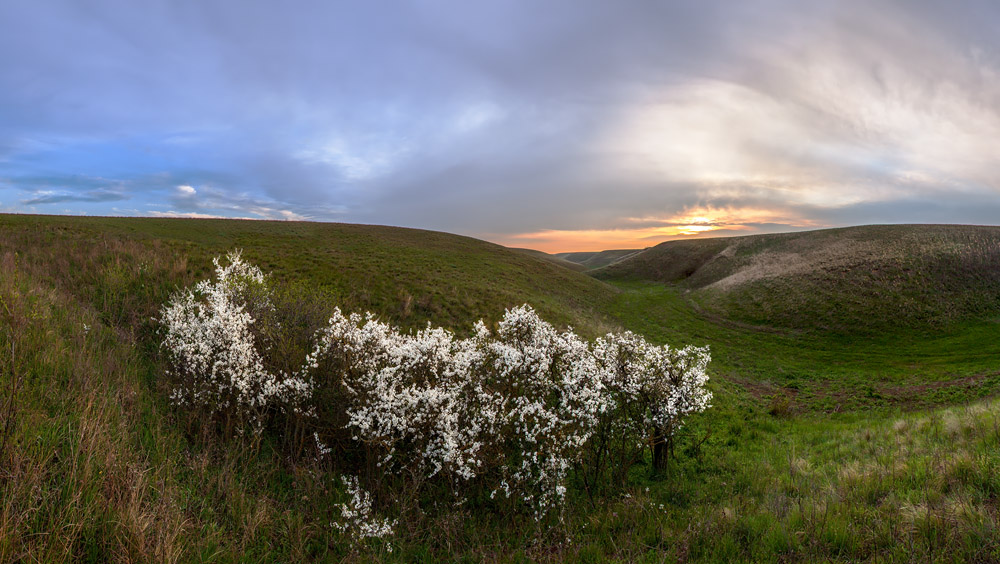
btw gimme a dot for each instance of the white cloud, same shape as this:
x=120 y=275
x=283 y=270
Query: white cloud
x=356 y=160
x=192 y=215
x=289 y=215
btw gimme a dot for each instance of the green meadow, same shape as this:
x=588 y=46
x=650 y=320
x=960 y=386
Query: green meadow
x=854 y=374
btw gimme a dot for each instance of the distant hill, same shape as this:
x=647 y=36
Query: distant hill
x=553 y=259
x=846 y=280
x=597 y=259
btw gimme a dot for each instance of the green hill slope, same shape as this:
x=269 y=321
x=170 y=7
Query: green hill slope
x=856 y=279
x=409 y=276
x=96 y=466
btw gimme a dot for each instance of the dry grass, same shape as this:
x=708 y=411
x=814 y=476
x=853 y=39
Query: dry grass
x=75 y=481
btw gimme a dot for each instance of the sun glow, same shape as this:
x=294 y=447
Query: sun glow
x=692 y=229
x=642 y=232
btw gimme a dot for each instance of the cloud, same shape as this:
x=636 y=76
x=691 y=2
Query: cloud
x=211 y=201
x=55 y=197
x=261 y=214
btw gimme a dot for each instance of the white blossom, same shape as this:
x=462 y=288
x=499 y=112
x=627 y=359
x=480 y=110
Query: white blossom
x=356 y=516
x=520 y=403
x=216 y=362
x=658 y=385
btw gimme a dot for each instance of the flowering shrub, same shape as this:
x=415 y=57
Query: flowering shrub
x=651 y=389
x=504 y=414
x=552 y=395
x=214 y=349
x=408 y=397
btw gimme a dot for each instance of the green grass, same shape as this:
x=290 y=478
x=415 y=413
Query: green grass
x=821 y=446
x=918 y=487
x=828 y=372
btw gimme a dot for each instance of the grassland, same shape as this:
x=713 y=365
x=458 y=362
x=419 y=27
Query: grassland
x=407 y=275
x=823 y=444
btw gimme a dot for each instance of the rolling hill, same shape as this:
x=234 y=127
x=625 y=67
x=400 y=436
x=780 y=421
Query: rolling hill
x=97 y=466
x=553 y=258
x=855 y=279
x=409 y=276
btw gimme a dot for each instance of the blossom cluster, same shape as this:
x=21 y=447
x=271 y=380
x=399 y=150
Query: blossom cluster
x=658 y=385
x=214 y=348
x=357 y=518
x=409 y=391
x=518 y=404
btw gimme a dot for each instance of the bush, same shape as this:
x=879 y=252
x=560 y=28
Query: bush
x=650 y=390
x=214 y=348
x=508 y=412
x=502 y=415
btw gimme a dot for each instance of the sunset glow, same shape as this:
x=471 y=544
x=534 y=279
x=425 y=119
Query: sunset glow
x=648 y=231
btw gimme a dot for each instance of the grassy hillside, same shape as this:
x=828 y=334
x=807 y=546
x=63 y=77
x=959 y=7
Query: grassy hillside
x=409 y=276
x=820 y=446
x=856 y=279
x=598 y=259
x=911 y=488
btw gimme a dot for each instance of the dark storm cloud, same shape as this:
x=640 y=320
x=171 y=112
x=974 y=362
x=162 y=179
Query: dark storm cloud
x=508 y=117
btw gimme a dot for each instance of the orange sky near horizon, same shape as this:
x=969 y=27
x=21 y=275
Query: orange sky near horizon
x=650 y=231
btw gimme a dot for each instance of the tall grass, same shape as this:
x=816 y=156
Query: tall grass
x=76 y=478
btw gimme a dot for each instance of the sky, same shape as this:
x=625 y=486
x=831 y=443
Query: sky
x=555 y=125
